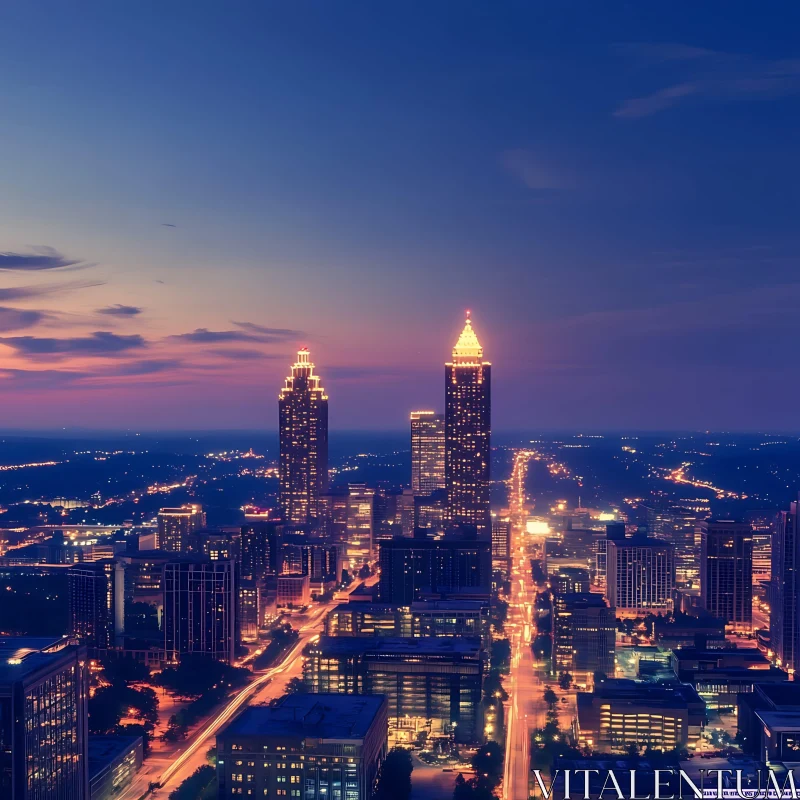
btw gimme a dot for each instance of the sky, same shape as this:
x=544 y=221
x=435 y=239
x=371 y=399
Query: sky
x=191 y=191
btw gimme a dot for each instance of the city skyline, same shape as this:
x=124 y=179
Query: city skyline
x=612 y=192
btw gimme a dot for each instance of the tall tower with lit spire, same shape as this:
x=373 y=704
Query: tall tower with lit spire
x=303 y=409
x=468 y=432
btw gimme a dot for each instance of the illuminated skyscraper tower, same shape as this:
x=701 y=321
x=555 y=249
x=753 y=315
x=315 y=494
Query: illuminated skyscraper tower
x=303 y=407
x=468 y=432
x=427 y=452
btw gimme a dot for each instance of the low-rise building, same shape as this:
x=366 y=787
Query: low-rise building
x=719 y=676
x=294 y=590
x=113 y=762
x=309 y=746
x=620 y=713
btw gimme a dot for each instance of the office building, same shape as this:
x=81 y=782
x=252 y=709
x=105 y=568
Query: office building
x=97 y=604
x=719 y=676
x=501 y=545
x=113 y=764
x=780 y=699
x=621 y=713
x=309 y=746
x=427 y=452
x=584 y=632
x=360 y=531
x=303 y=424
x=726 y=572
x=436 y=618
x=294 y=590
x=176 y=527
x=250 y=614
x=432 y=684
x=468 y=452
x=784 y=590
x=640 y=576
x=261 y=549
x=44 y=688
x=200 y=609
x=412 y=567
x=571 y=580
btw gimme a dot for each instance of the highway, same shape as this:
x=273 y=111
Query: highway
x=170 y=769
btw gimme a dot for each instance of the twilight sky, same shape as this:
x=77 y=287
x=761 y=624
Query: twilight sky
x=191 y=190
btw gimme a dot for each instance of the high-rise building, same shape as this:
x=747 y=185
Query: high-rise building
x=176 y=526
x=303 y=410
x=726 y=572
x=427 y=452
x=413 y=567
x=584 y=632
x=200 y=608
x=309 y=746
x=44 y=689
x=501 y=545
x=261 y=549
x=97 y=603
x=641 y=576
x=784 y=587
x=360 y=525
x=468 y=432
x=249 y=596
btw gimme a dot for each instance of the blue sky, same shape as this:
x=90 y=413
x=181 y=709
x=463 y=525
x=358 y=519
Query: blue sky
x=611 y=188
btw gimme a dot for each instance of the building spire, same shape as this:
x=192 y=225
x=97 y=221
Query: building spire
x=468 y=349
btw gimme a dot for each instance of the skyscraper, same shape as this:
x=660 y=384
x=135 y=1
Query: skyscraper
x=784 y=585
x=641 y=576
x=427 y=452
x=176 y=526
x=303 y=409
x=468 y=432
x=200 y=608
x=726 y=572
x=44 y=690
x=97 y=603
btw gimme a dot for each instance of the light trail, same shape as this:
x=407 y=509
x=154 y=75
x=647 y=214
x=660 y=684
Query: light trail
x=678 y=475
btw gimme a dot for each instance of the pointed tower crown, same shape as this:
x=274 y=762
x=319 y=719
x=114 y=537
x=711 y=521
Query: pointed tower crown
x=468 y=349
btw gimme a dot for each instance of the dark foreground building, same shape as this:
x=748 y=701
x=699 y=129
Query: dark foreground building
x=43 y=719
x=308 y=746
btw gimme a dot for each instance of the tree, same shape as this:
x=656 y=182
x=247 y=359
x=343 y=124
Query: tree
x=125 y=670
x=364 y=572
x=501 y=654
x=488 y=763
x=200 y=784
x=394 y=779
x=565 y=681
x=198 y=674
x=297 y=686
x=550 y=697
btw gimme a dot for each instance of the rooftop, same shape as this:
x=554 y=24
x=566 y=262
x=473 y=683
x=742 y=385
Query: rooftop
x=320 y=716
x=22 y=655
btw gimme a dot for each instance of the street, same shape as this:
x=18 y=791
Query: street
x=170 y=769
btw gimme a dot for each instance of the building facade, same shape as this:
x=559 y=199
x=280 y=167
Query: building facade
x=307 y=746
x=411 y=567
x=200 y=609
x=640 y=576
x=584 y=633
x=468 y=425
x=44 y=689
x=726 y=572
x=427 y=452
x=784 y=587
x=303 y=434
x=176 y=527
x=97 y=603
x=432 y=685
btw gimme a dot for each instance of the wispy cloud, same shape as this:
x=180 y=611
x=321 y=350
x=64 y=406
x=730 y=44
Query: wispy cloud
x=14 y=319
x=710 y=74
x=535 y=172
x=42 y=258
x=168 y=225
x=26 y=292
x=119 y=310
x=99 y=343
x=240 y=354
x=249 y=332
